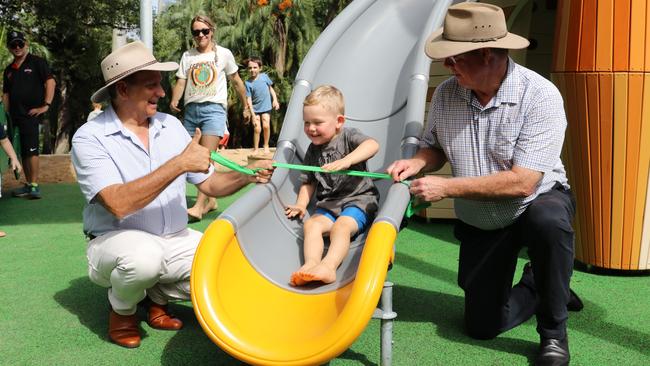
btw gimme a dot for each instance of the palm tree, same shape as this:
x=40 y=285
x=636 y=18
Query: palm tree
x=279 y=30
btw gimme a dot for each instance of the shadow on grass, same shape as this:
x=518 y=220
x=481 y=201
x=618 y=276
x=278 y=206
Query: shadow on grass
x=356 y=356
x=191 y=345
x=590 y=321
x=588 y=268
x=89 y=303
x=445 y=311
x=417 y=265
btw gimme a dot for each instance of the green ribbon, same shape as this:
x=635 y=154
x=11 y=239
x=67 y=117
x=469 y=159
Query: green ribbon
x=411 y=209
x=317 y=169
x=414 y=208
x=231 y=164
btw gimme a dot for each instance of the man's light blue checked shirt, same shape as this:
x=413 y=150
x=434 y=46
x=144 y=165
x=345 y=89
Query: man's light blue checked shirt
x=522 y=125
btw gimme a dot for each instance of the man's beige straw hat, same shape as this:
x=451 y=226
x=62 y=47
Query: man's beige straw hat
x=126 y=60
x=470 y=26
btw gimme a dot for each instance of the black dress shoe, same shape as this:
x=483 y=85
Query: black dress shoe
x=553 y=352
x=574 y=304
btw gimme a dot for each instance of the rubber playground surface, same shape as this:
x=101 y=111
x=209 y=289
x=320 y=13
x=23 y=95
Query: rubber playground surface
x=52 y=314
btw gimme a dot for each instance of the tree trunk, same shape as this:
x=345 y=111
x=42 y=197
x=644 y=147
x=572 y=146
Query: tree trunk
x=47 y=137
x=281 y=54
x=62 y=145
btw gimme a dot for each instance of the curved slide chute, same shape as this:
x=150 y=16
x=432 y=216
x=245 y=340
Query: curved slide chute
x=373 y=52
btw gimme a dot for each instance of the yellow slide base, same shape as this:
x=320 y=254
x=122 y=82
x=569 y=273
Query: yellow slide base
x=260 y=323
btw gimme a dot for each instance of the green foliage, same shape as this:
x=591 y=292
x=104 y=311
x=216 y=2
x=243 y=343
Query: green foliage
x=75 y=35
x=279 y=31
x=326 y=10
x=78 y=35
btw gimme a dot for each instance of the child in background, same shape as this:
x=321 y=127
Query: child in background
x=15 y=165
x=261 y=98
x=345 y=204
x=97 y=110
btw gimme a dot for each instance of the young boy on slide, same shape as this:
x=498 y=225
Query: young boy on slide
x=346 y=205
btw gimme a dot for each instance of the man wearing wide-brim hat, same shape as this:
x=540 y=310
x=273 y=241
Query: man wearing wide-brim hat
x=132 y=165
x=501 y=128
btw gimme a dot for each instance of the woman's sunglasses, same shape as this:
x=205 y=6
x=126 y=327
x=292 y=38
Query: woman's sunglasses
x=17 y=44
x=204 y=31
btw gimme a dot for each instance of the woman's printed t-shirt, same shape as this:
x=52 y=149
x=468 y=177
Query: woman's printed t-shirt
x=205 y=78
x=258 y=91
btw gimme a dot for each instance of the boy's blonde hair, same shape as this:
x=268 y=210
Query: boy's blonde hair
x=328 y=96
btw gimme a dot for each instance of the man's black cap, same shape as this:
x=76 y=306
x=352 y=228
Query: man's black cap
x=14 y=36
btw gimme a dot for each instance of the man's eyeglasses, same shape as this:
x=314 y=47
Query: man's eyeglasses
x=453 y=60
x=197 y=32
x=17 y=44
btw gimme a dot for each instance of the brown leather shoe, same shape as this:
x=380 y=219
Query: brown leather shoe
x=159 y=318
x=123 y=330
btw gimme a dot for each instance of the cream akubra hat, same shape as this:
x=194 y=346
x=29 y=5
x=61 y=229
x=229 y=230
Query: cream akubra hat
x=126 y=60
x=470 y=26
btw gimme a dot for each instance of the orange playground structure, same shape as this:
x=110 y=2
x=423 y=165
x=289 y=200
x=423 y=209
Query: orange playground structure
x=601 y=64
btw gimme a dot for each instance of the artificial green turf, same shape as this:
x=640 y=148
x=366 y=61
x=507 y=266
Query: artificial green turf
x=51 y=314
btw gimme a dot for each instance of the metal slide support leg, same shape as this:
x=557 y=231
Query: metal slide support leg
x=386 y=314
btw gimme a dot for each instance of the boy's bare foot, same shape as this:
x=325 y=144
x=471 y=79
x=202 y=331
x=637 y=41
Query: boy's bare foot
x=296 y=278
x=195 y=214
x=320 y=272
x=255 y=152
x=267 y=150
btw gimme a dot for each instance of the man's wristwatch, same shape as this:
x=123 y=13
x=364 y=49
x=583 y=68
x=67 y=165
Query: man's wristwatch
x=47 y=104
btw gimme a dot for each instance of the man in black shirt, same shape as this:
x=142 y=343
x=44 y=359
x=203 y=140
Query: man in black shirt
x=28 y=90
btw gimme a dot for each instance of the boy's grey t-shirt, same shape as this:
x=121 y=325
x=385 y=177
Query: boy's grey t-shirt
x=336 y=191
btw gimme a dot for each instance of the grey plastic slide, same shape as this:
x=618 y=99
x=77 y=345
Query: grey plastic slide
x=374 y=53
